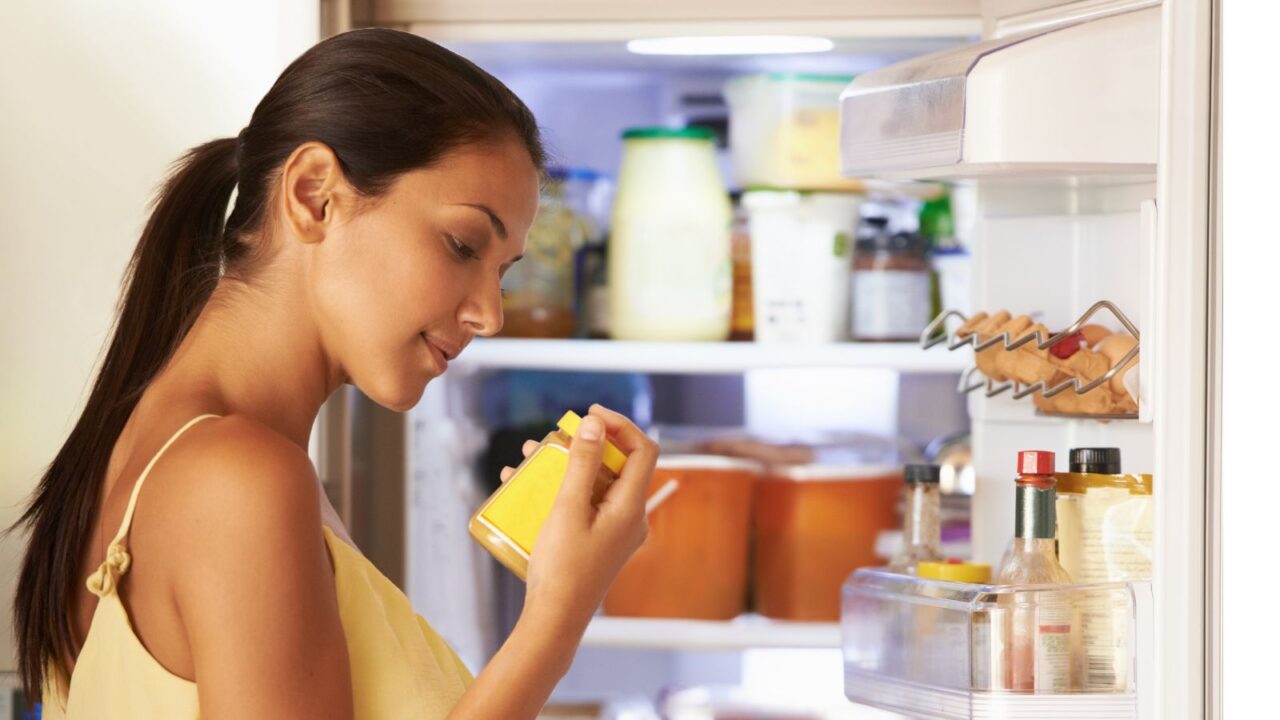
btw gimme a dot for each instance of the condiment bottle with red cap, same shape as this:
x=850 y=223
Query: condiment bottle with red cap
x=1041 y=623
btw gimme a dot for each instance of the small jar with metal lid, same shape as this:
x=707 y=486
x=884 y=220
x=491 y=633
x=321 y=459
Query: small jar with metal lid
x=921 y=527
x=508 y=523
x=890 y=287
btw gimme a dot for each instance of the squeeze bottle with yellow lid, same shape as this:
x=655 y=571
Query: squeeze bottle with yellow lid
x=508 y=523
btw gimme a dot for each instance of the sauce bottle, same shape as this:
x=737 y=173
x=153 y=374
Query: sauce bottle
x=1042 y=622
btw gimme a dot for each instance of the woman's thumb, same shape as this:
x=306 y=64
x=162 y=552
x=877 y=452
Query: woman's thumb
x=586 y=453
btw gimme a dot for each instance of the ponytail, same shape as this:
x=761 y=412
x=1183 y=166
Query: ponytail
x=170 y=277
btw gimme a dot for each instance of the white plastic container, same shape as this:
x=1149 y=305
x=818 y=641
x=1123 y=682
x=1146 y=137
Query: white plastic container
x=801 y=245
x=954 y=266
x=669 y=269
x=784 y=131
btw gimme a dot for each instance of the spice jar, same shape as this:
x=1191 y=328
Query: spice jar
x=891 y=297
x=508 y=523
x=922 y=528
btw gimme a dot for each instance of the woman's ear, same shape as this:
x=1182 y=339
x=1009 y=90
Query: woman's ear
x=309 y=180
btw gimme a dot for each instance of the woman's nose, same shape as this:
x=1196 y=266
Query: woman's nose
x=482 y=312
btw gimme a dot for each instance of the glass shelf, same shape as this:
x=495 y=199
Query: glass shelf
x=699 y=357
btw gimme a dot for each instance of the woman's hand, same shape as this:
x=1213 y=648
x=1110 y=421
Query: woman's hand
x=582 y=547
x=580 y=550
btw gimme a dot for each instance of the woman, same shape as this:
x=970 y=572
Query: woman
x=384 y=185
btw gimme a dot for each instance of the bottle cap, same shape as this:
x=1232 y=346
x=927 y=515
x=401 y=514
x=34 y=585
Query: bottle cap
x=613 y=457
x=1035 y=462
x=978 y=573
x=922 y=474
x=1099 y=461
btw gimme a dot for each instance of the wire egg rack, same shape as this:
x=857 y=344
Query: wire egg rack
x=971 y=379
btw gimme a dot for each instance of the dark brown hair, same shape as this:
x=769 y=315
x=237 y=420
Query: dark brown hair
x=386 y=102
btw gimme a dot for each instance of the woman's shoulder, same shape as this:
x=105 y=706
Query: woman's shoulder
x=236 y=463
x=232 y=483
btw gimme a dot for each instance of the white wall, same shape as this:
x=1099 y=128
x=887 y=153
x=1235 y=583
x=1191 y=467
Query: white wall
x=96 y=99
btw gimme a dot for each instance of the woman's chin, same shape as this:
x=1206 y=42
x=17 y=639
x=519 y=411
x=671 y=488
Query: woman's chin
x=398 y=396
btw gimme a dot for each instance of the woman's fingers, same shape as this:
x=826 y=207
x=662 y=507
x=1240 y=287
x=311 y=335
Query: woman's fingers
x=586 y=453
x=528 y=448
x=622 y=431
x=632 y=486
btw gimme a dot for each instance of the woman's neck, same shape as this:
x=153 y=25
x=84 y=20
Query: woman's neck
x=256 y=353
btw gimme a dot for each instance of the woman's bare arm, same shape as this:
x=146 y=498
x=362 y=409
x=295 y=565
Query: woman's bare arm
x=256 y=596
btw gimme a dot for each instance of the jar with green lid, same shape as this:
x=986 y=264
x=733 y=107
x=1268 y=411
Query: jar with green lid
x=669 y=267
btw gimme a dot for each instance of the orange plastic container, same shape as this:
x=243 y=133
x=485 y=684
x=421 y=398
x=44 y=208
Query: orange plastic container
x=814 y=525
x=694 y=562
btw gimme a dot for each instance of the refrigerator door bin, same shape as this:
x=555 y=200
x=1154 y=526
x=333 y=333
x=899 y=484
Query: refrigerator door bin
x=939 y=649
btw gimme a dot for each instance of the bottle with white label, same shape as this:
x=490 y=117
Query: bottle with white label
x=1044 y=646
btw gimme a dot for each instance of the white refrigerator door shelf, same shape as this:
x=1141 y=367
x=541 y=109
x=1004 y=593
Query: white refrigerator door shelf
x=1079 y=99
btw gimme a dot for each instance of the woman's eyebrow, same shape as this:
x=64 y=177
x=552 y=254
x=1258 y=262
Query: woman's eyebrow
x=498 y=227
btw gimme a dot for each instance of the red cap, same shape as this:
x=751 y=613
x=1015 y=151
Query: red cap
x=1035 y=462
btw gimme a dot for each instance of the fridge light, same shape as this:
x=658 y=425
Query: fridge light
x=730 y=45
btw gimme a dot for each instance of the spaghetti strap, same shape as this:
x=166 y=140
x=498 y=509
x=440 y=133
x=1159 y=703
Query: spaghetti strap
x=108 y=573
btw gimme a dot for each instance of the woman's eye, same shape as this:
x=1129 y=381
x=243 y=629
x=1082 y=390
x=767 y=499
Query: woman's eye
x=463 y=250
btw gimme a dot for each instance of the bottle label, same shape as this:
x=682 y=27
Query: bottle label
x=1053 y=647
x=890 y=304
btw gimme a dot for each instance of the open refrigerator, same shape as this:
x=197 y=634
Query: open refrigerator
x=1083 y=132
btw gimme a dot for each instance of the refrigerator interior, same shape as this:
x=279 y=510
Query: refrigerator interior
x=583 y=113
x=1049 y=245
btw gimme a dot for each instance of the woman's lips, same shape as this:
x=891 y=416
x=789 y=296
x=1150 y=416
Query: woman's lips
x=442 y=350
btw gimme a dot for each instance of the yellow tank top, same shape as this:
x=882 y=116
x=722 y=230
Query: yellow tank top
x=400 y=667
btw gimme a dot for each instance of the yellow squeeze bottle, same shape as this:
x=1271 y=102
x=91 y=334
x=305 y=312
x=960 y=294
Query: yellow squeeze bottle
x=508 y=523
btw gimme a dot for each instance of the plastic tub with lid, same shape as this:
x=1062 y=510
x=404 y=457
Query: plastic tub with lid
x=814 y=525
x=784 y=131
x=694 y=562
x=801 y=250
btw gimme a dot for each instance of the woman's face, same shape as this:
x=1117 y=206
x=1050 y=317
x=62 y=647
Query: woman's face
x=401 y=287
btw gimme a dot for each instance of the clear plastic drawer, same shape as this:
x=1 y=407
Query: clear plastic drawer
x=936 y=649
